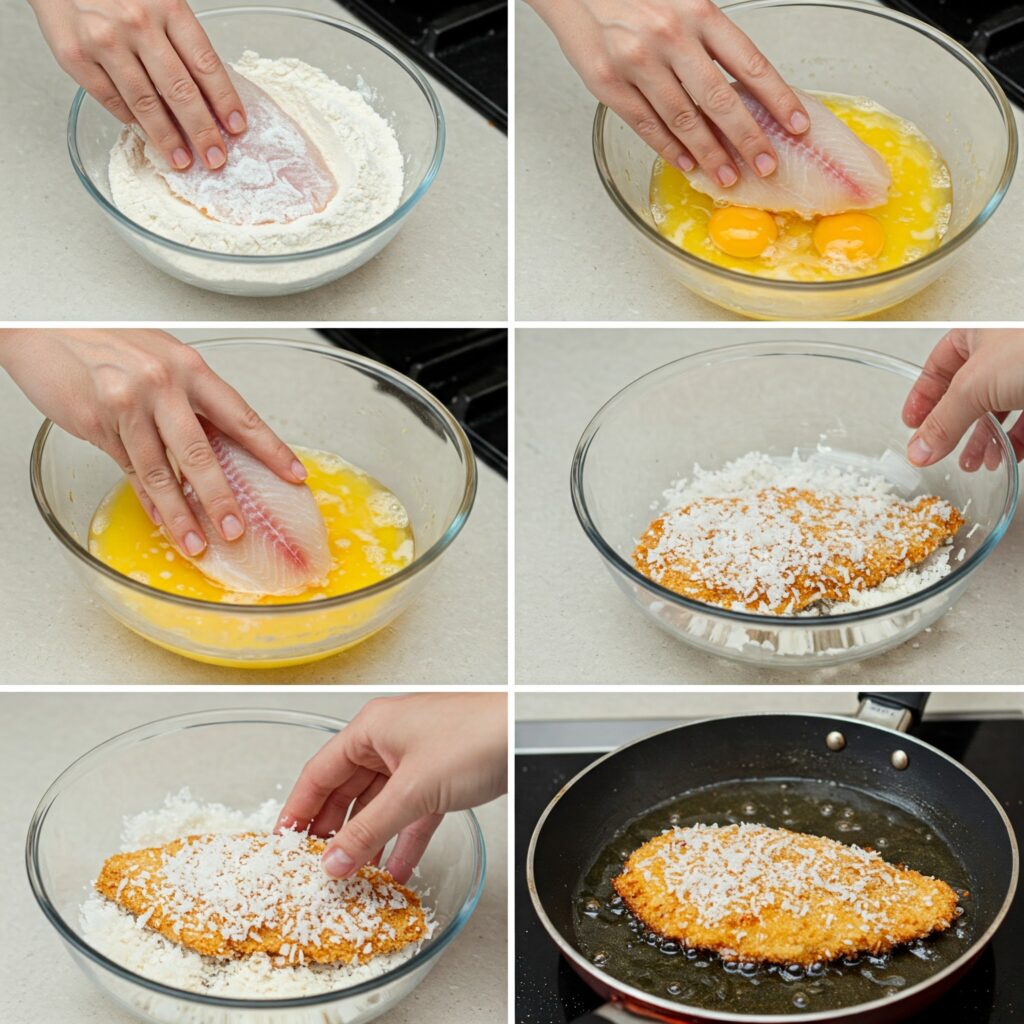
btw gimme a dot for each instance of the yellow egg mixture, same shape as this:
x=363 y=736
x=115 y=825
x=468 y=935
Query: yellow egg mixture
x=787 y=247
x=367 y=528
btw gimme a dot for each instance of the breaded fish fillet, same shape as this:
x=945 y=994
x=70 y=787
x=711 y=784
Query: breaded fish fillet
x=783 y=549
x=235 y=895
x=757 y=894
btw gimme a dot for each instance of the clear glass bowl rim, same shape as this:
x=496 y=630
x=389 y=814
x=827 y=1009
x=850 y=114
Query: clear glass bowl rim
x=946 y=248
x=383 y=373
x=397 y=215
x=231 y=716
x=769 y=349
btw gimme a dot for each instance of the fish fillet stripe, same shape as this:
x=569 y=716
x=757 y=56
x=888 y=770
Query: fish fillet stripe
x=755 y=894
x=236 y=895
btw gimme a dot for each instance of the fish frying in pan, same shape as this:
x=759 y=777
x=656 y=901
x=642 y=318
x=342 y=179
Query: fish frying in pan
x=756 y=894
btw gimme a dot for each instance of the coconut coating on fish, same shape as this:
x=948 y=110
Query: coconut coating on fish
x=237 y=895
x=756 y=894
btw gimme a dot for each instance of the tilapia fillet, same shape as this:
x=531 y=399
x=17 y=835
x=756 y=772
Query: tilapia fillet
x=284 y=549
x=826 y=170
x=780 y=550
x=764 y=895
x=233 y=896
x=274 y=172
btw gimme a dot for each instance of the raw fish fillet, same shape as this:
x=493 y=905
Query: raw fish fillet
x=824 y=171
x=274 y=172
x=284 y=549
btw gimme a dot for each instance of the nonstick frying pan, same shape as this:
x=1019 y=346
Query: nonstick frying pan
x=871 y=752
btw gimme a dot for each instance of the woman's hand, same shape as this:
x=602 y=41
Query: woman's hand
x=968 y=374
x=148 y=61
x=654 y=63
x=137 y=395
x=401 y=764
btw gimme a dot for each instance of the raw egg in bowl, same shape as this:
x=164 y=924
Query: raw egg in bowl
x=925 y=104
x=393 y=474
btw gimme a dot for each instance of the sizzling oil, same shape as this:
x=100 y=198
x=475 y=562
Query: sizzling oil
x=618 y=943
x=913 y=219
x=367 y=528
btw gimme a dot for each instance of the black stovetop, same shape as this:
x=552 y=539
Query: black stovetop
x=465 y=369
x=549 y=992
x=993 y=30
x=464 y=44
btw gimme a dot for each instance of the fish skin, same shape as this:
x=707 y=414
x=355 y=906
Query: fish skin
x=284 y=549
x=826 y=170
x=274 y=172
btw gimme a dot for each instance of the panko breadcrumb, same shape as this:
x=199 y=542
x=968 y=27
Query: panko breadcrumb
x=756 y=894
x=237 y=895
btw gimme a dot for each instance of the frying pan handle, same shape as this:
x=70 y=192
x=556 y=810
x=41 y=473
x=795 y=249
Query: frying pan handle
x=898 y=711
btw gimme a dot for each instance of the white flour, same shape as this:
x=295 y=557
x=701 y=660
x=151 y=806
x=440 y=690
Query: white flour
x=358 y=146
x=115 y=933
x=755 y=471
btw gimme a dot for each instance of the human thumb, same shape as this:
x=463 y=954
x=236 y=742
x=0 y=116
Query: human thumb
x=944 y=426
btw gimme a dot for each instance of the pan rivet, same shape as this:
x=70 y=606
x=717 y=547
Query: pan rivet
x=835 y=741
x=899 y=760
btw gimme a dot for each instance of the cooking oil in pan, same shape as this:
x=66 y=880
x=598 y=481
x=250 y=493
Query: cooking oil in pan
x=619 y=944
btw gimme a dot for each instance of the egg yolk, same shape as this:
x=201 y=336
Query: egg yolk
x=849 y=236
x=742 y=232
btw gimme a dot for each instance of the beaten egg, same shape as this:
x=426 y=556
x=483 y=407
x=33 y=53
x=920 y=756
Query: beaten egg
x=787 y=247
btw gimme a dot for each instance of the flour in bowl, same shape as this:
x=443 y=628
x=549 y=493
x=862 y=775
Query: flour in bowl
x=117 y=934
x=351 y=143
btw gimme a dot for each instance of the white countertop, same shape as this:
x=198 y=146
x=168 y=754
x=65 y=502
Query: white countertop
x=574 y=626
x=55 y=632
x=41 y=734
x=62 y=260
x=577 y=258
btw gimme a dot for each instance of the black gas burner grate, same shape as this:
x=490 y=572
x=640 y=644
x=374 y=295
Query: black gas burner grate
x=466 y=370
x=548 y=991
x=991 y=29
x=465 y=45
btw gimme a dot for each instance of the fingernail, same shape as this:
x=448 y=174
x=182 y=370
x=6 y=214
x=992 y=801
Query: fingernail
x=236 y=122
x=155 y=516
x=798 y=122
x=685 y=163
x=232 y=527
x=215 y=156
x=764 y=164
x=181 y=158
x=918 y=452
x=727 y=176
x=299 y=470
x=336 y=864
x=193 y=543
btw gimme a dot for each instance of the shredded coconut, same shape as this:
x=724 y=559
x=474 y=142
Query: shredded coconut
x=813 y=536
x=123 y=938
x=358 y=147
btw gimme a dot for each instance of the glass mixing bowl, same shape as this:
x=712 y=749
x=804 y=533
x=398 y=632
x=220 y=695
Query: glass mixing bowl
x=777 y=398
x=862 y=50
x=79 y=820
x=315 y=397
x=349 y=55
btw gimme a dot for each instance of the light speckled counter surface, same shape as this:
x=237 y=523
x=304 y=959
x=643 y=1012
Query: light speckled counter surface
x=61 y=260
x=39 y=983
x=574 y=626
x=577 y=258
x=54 y=632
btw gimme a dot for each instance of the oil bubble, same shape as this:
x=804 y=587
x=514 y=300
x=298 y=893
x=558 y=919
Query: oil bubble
x=827 y=810
x=801 y=1000
x=600 y=958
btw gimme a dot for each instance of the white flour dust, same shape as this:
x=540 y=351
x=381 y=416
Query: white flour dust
x=358 y=147
x=115 y=933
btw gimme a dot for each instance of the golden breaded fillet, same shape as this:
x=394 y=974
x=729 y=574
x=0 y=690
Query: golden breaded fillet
x=236 y=895
x=757 y=894
x=786 y=548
